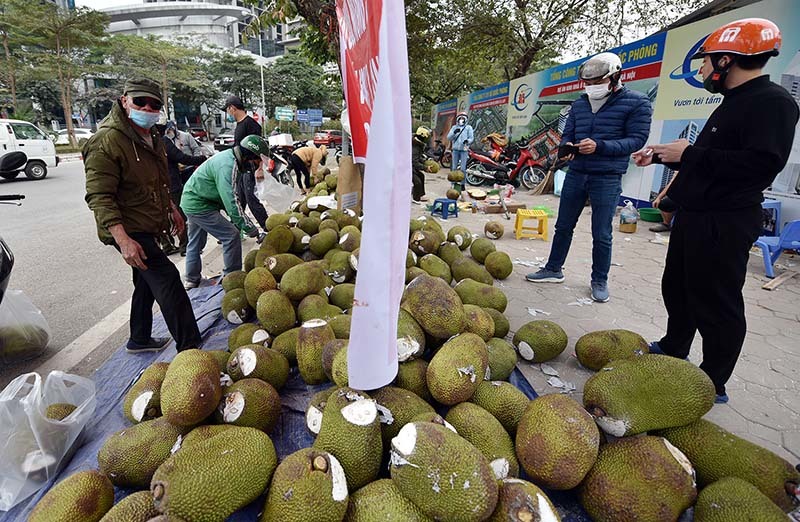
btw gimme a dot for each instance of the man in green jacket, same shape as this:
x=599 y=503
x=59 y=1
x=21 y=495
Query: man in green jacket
x=127 y=188
x=212 y=188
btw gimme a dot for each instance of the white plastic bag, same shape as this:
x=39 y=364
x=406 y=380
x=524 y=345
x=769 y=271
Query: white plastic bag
x=32 y=446
x=276 y=195
x=24 y=331
x=558 y=182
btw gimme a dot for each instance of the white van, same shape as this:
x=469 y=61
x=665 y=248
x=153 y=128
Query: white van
x=18 y=135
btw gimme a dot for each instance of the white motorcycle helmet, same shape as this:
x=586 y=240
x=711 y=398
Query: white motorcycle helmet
x=601 y=66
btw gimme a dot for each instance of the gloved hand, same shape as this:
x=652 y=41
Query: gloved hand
x=261 y=236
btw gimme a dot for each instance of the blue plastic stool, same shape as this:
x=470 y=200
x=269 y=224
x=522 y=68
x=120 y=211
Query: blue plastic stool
x=775 y=206
x=444 y=207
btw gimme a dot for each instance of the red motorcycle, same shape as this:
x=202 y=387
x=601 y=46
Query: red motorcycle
x=516 y=165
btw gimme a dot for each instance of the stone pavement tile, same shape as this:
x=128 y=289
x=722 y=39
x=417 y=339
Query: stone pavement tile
x=767 y=413
x=791 y=441
x=763 y=432
x=755 y=370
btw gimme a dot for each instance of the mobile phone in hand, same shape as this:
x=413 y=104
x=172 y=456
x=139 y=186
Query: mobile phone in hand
x=566 y=150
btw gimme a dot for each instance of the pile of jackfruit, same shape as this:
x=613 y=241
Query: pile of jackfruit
x=449 y=440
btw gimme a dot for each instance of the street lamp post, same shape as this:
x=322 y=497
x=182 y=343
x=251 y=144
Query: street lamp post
x=261 y=69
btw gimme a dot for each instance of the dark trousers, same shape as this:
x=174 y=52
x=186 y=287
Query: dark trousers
x=417 y=185
x=247 y=194
x=702 y=286
x=175 y=196
x=161 y=283
x=301 y=170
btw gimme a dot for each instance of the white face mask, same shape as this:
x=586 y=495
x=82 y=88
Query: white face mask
x=597 y=92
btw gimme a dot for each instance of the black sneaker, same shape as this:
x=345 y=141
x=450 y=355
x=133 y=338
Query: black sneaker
x=156 y=344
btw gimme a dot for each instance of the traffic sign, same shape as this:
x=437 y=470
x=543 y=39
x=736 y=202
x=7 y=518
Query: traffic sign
x=302 y=115
x=315 y=117
x=284 y=113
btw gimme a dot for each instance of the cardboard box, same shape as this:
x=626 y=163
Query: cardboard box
x=349 y=185
x=280 y=140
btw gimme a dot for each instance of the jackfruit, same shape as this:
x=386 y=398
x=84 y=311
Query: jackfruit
x=501 y=324
x=432 y=225
x=210 y=480
x=638 y=478
x=452 y=194
x=442 y=474
x=143 y=400
x=309 y=484
x=258 y=281
x=381 y=501
x=235 y=308
x=275 y=312
x=247 y=333
x=351 y=432
x=466 y=268
x=449 y=253
x=457 y=369
x=435 y=306
x=302 y=280
x=251 y=403
x=412 y=376
x=479 y=322
x=258 y=362
x=716 y=454
x=499 y=265
x=410 y=337
x=342 y=295
x=502 y=358
x=503 y=400
x=731 y=499
x=539 y=341
x=493 y=230
x=331 y=224
x=481 y=294
x=329 y=351
x=340 y=270
x=651 y=392
x=130 y=456
x=431 y=166
x=250 y=260
x=279 y=240
x=202 y=433
x=340 y=324
x=311 y=339
x=596 y=349
x=331 y=180
x=276 y=220
x=332 y=252
x=461 y=236
x=435 y=418
x=349 y=238
x=435 y=267
x=309 y=225
x=314 y=306
x=59 y=411
x=411 y=258
x=557 y=441
x=286 y=345
x=520 y=500
x=301 y=241
x=339 y=374
x=83 y=497
x=424 y=242
x=280 y=263
x=483 y=431
x=136 y=507
x=396 y=408
x=191 y=390
x=455 y=176
x=414 y=272
x=480 y=248
x=323 y=241
x=233 y=280
x=22 y=342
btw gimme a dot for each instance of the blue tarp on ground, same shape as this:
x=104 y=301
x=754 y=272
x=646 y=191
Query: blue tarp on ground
x=115 y=377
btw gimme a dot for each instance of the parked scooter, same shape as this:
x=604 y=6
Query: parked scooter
x=516 y=166
x=278 y=165
x=11 y=162
x=441 y=154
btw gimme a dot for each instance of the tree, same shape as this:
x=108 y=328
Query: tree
x=236 y=74
x=293 y=80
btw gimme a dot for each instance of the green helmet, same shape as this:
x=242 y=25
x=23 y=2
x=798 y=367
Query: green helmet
x=255 y=145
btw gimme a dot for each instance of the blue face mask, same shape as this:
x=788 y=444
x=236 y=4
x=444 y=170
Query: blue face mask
x=230 y=118
x=144 y=119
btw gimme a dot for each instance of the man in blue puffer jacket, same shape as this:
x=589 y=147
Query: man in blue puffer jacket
x=605 y=126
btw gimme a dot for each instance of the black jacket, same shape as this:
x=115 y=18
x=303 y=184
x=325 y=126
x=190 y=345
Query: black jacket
x=417 y=159
x=244 y=128
x=743 y=146
x=176 y=157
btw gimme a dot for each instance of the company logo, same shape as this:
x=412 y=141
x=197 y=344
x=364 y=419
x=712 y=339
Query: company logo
x=730 y=34
x=520 y=101
x=685 y=71
x=462 y=107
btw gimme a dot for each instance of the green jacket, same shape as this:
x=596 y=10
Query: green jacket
x=210 y=189
x=126 y=178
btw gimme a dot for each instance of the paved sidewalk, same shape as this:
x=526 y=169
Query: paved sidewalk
x=764 y=405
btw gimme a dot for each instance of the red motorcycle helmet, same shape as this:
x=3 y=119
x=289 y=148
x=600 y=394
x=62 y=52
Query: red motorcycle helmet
x=746 y=37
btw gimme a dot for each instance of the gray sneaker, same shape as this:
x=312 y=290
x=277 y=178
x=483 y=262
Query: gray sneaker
x=546 y=276
x=600 y=291
x=188 y=285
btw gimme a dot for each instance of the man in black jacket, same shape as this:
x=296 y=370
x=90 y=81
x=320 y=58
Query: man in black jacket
x=743 y=146
x=418 y=144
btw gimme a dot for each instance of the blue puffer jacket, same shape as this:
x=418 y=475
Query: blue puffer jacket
x=619 y=128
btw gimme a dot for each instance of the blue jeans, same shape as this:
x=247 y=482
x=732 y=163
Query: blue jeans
x=200 y=225
x=603 y=191
x=460 y=158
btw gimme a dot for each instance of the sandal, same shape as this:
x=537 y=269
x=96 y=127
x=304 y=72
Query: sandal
x=661 y=227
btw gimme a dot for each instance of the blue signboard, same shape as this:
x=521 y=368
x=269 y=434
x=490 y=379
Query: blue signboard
x=315 y=117
x=302 y=115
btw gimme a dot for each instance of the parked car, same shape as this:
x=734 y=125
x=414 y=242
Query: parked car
x=328 y=138
x=224 y=139
x=18 y=135
x=80 y=134
x=198 y=132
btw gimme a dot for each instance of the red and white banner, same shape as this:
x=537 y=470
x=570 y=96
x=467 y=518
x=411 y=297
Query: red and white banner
x=375 y=72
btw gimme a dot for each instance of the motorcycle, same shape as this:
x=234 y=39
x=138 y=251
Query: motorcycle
x=279 y=166
x=11 y=162
x=516 y=165
x=441 y=154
